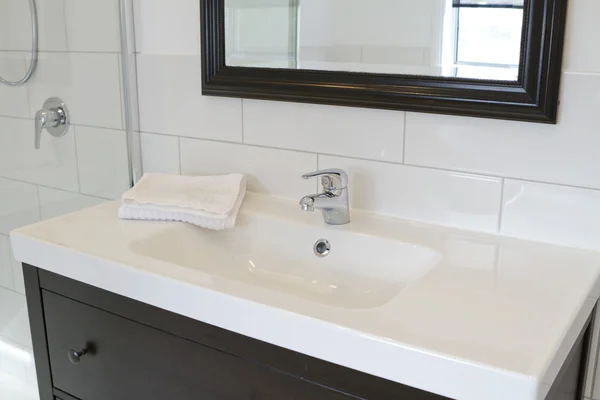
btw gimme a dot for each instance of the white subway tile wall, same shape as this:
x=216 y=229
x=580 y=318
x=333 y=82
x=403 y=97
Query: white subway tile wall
x=89 y=83
x=13 y=100
x=533 y=181
x=54 y=202
x=6 y=275
x=171 y=101
x=103 y=161
x=443 y=197
x=160 y=154
x=565 y=153
x=583 y=30
x=264 y=166
x=160 y=29
x=92 y=26
x=19 y=205
x=53 y=165
x=435 y=149
x=325 y=129
x=51 y=17
x=79 y=62
x=15 y=23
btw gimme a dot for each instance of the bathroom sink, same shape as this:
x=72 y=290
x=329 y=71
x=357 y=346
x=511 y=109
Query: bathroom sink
x=360 y=271
x=428 y=307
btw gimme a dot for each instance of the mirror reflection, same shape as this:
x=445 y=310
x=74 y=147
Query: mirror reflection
x=473 y=39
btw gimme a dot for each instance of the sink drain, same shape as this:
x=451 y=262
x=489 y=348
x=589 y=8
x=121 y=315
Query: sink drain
x=322 y=248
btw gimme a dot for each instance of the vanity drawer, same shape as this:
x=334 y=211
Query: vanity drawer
x=129 y=360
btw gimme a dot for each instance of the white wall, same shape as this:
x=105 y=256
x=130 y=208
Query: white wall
x=345 y=32
x=521 y=179
x=261 y=29
x=402 y=32
x=79 y=62
x=355 y=22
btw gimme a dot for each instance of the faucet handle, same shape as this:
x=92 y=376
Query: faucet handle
x=41 y=119
x=331 y=179
x=54 y=117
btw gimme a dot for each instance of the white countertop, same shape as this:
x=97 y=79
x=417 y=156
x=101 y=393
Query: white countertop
x=492 y=318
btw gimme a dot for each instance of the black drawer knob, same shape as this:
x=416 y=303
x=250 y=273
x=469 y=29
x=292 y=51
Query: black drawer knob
x=75 y=356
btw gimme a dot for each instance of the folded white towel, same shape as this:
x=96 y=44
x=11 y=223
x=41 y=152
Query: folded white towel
x=211 y=202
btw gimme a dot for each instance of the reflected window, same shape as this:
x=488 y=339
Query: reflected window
x=476 y=39
x=488 y=35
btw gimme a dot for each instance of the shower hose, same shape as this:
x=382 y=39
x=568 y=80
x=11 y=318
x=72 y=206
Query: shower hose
x=34 y=49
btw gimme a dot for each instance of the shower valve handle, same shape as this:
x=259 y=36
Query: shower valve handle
x=54 y=117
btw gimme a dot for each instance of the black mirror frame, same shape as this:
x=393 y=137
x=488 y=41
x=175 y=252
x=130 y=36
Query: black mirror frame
x=534 y=98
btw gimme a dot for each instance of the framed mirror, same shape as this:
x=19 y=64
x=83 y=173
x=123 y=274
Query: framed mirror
x=482 y=58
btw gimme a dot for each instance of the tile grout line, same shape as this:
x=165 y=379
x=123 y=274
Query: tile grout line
x=179 y=154
x=39 y=185
x=70 y=51
x=243 y=133
x=75 y=124
x=27 y=87
x=475 y=174
x=471 y=173
x=121 y=92
x=39 y=202
x=404 y=139
x=486 y=175
x=64 y=15
x=501 y=211
x=76 y=159
x=479 y=174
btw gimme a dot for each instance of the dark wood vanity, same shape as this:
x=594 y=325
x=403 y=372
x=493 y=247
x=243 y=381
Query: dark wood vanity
x=92 y=344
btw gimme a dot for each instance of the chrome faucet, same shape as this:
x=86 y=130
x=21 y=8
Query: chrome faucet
x=333 y=202
x=54 y=117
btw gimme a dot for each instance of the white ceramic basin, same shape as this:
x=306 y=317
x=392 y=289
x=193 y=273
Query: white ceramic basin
x=460 y=314
x=361 y=271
